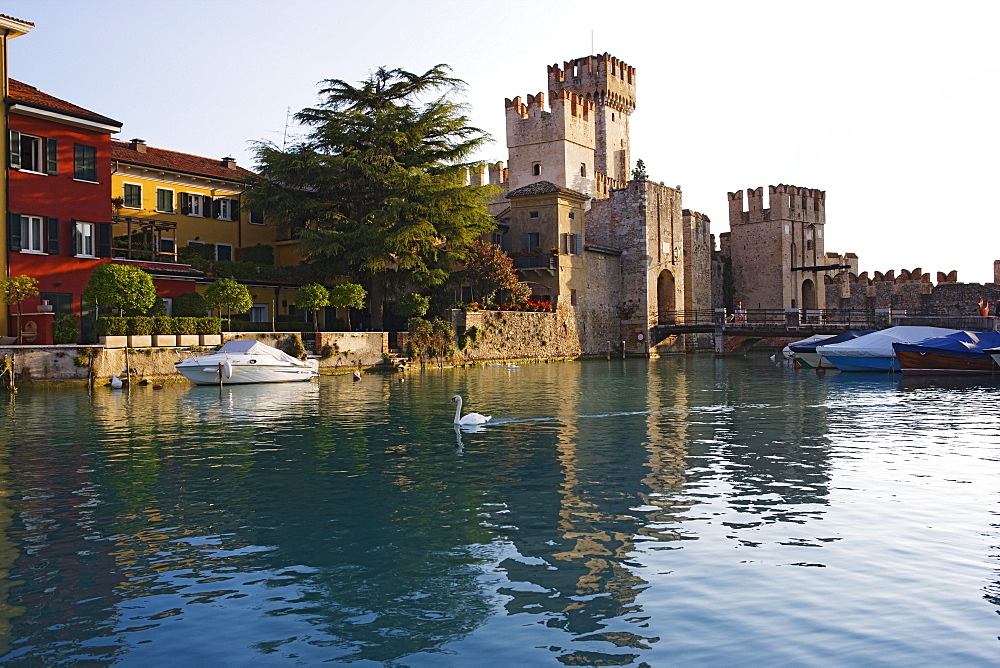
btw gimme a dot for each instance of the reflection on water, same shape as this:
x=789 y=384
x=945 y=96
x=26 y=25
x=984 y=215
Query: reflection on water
x=687 y=510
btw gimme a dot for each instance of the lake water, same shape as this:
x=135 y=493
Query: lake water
x=683 y=511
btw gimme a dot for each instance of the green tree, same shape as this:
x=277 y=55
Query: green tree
x=348 y=296
x=377 y=188
x=14 y=290
x=488 y=270
x=412 y=305
x=190 y=305
x=120 y=286
x=312 y=297
x=227 y=294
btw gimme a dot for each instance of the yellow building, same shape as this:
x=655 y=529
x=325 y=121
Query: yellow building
x=171 y=206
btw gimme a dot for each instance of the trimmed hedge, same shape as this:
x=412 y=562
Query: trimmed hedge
x=116 y=326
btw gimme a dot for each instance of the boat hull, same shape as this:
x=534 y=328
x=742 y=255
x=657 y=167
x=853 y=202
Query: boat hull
x=928 y=363
x=845 y=363
x=243 y=375
x=814 y=360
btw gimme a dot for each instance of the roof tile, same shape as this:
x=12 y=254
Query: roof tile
x=31 y=96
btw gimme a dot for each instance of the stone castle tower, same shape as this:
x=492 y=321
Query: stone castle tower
x=582 y=141
x=777 y=251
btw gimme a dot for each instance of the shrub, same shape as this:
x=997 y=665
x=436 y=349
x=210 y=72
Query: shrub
x=139 y=326
x=190 y=305
x=111 y=326
x=185 y=325
x=327 y=351
x=258 y=254
x=65 y=328
x=294 y=347
x=208 y=325
x=162 y=325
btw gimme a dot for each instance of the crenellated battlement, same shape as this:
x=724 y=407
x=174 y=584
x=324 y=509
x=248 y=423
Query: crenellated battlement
x=603 y=79
x=604 y=184
x=784 y=202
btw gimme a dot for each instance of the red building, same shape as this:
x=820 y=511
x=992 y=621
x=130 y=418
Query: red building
x=59 y=185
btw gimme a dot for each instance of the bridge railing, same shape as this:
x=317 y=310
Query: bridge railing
x=794 y=318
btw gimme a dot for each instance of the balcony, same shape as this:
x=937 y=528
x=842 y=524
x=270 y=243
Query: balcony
x=541 y=263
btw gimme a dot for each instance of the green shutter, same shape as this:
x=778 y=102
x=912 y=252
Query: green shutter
x=206 y=207
x=51 y=156
x=215 y=208
x=52 y=236
x=234 y=211
x=104 y=240
x=185 y=199
x=14 y=231
x=14 y=154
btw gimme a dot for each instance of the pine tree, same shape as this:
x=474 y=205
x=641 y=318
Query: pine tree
x=377 y=188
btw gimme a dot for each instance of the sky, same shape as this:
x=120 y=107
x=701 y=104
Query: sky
x=888 y=107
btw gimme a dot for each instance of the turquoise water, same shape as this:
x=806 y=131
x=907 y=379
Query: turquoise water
x=685 y=511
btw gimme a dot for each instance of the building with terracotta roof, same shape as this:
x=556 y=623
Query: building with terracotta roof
x=175 y=208
x=59 y=200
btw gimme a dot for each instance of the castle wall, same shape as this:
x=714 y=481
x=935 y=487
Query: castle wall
x=770 y=246
x=698 y=247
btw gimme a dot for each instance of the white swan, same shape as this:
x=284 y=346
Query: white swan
x=471 y=418
x=116 y=382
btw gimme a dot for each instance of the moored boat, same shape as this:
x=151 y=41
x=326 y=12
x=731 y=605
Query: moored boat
x=873 y=352
x=805 y=350
x=962 y=353
x=242 y=362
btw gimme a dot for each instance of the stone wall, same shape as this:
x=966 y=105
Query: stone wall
x=76 y=363
x=512 y=335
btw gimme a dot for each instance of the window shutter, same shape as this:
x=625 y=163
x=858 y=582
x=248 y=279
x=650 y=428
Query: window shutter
x=524 y=242
x=52 y=236
x=185 y=204
x=14 y=230
x=75 y=233
x=206 y=206
x=505 y=243
x=579 y=244
x=234 y=210
x=14 y=156
x=51 y=156
x=215 y=208
x=104 y=240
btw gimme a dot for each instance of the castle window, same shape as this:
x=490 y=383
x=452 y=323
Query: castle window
x=536 y=169
x=809 y=244
x=583 y=169
x=572 y=215
x=531 y=241
x=572 y=297
x=532 y=214
x=612 y=117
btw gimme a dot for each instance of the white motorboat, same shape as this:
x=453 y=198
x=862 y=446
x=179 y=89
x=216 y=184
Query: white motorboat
x=240 y=362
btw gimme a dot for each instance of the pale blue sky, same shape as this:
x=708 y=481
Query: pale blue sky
x=890 y=107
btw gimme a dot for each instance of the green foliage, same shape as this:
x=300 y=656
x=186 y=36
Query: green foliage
x=261 y=254
x=327 y=352
x=227 y=294
x=348 y=295
x=380 y=179
x=312 y=297
x=185 y=325
x=430 y=338
x=15 y=289
x=208 y=325
x=639 y=173
x=191 y=252
x=294 y=347
x=163 y=325
x=139 y=325
x=157 y=309
x=488 y=270
x=112 y=326
x=190 y=305
x=120 y=286
x=412 y=305
x=65 y=328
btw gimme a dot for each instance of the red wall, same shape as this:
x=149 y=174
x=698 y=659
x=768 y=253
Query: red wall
x=62 y=197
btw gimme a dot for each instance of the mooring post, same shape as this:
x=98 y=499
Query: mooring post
x=720 y=331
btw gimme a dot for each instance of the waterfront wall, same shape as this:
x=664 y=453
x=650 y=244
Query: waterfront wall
x=72 y=362
x=509 y=335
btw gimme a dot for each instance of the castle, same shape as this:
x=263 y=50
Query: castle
x=613 y=251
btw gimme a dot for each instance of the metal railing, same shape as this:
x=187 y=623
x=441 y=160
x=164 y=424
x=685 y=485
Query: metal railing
x=824 y=318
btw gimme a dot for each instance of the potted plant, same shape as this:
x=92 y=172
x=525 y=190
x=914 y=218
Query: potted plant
x=163 y=332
